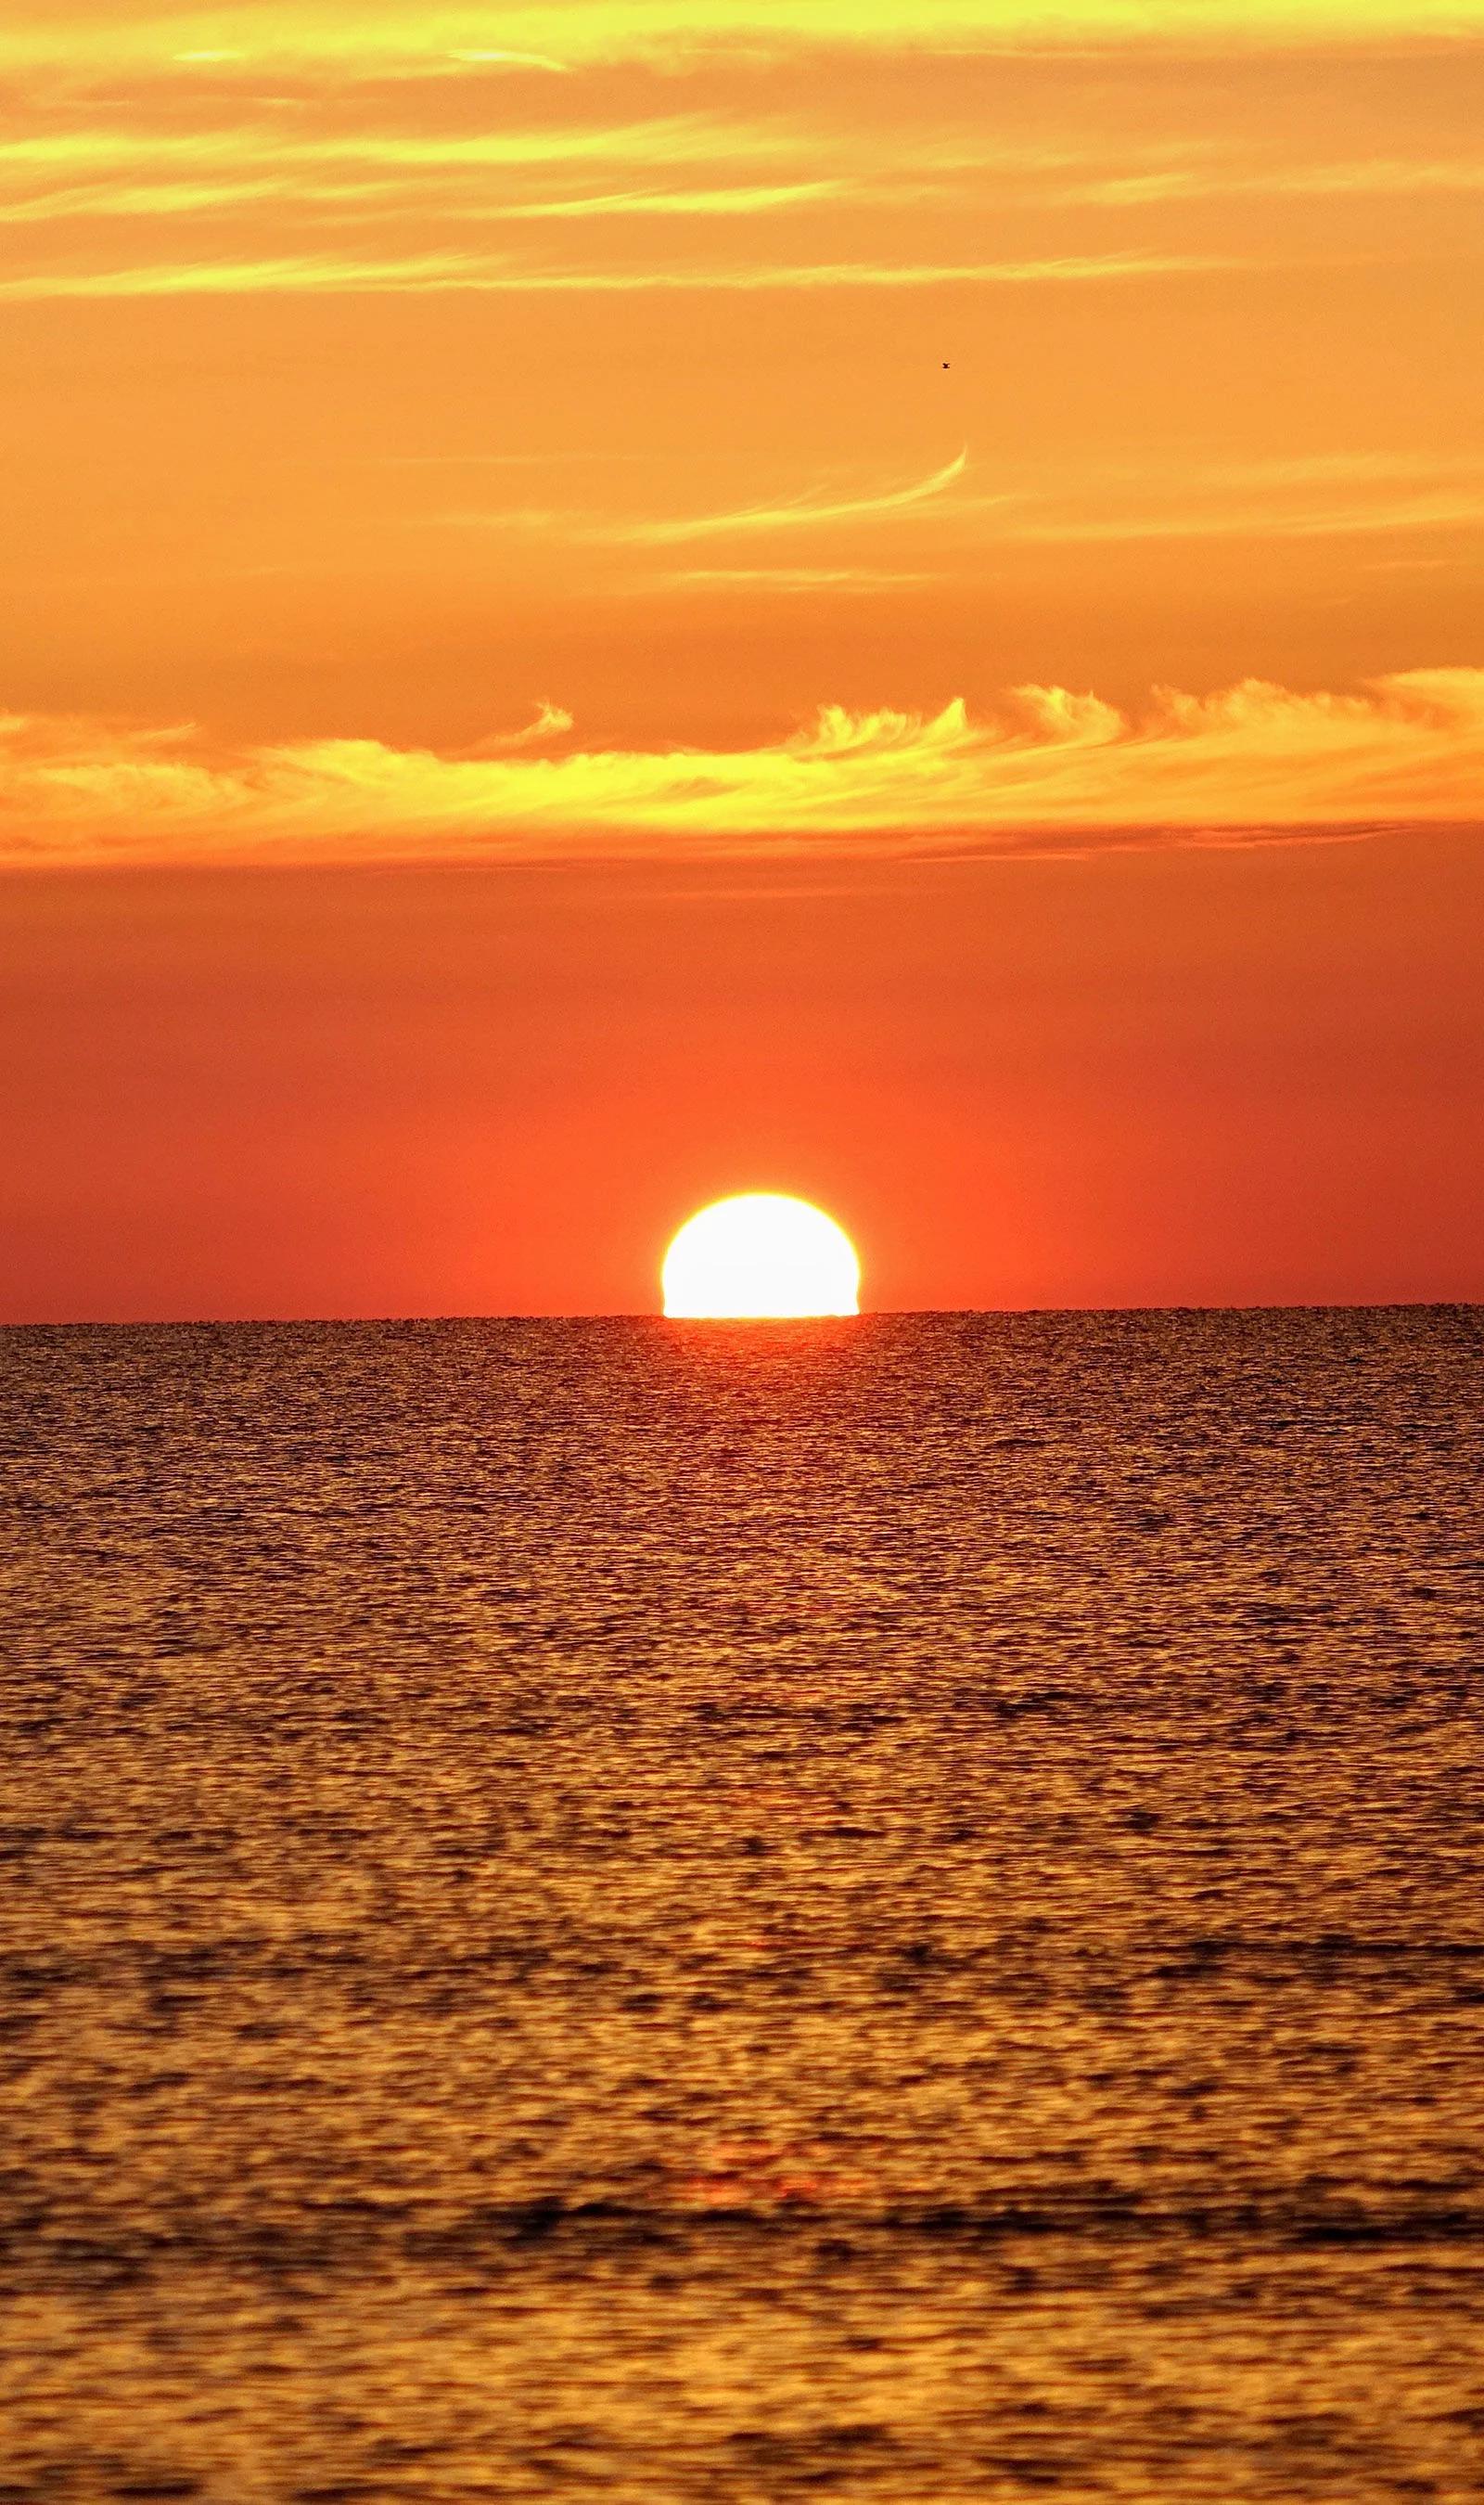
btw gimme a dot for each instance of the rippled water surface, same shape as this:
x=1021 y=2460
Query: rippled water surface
x=664 y=1912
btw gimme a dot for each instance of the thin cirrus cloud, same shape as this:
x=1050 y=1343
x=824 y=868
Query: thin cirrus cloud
x=165 y=152
x=1050 y=770
x=1206 y=176
x=539 y=35
x=798 y=578
x=138 y=166
x=260 y=178
x=801 y=512
x=1339 y=496
x=163 y=199
x=473 y=274
x=140 y=138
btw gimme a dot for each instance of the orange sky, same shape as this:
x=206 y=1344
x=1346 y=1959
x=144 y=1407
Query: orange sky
x=606 y=604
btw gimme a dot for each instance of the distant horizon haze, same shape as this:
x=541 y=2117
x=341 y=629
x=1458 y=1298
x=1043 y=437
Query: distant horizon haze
x=280 y=1094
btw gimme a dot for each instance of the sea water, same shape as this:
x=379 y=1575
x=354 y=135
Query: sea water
x=733 y=1912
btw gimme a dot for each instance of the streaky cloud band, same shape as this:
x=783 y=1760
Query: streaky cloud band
x=1050 y=770
x=540 y=37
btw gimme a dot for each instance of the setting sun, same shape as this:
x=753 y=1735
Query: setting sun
x=761 y=1255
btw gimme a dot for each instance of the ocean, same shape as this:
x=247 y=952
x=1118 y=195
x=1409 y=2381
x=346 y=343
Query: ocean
x=887 y=1909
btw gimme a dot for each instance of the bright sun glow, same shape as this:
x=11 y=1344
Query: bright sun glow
x=760 y=1255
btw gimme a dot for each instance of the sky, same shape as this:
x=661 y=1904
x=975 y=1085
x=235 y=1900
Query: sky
x=606 y=604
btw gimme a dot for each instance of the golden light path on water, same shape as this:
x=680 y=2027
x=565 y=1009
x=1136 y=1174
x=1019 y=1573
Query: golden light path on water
x=760 y=1255
x=605 y=1908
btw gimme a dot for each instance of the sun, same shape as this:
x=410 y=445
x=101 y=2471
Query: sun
x=762 y=1255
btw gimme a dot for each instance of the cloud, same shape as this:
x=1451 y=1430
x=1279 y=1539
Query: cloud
x=572 y=33
x=474 y=273
x=798 y=512
x=478 y=58
x=138 y=139
x=376 y=151
x=731 y=200
x=798 y=578
x=1338 y=496
x=550 y=721
x=1165 y=498
x=1050 y=770
x=1209 y=176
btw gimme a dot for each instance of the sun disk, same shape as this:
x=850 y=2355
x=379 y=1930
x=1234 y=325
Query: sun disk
x=759 y=1256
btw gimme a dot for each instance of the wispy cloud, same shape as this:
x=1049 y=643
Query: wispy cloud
x=1371 y=178
x=485 y=57
x=1340 y=495
x=473 y=274
x=547 y=33
x=1051 y=769
x=793 y=578
x=808 y=512
x=734 y=200
x=379 y=150
x=550 y=721
x=140 y=138
x=1167 y=497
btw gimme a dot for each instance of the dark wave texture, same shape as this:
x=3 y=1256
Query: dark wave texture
x=887 y=1909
